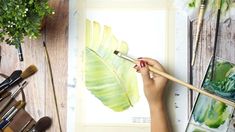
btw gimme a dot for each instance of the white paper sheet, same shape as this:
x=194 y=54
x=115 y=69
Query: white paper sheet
x=148 y=32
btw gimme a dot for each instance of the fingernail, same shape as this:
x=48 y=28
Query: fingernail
x=142 y=64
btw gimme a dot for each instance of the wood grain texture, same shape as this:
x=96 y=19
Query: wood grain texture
x=225 y=50
x=39 y=93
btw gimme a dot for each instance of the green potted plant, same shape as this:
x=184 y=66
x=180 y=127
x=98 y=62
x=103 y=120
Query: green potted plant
x=21 y=18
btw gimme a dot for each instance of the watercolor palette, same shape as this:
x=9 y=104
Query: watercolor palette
x=209 y=114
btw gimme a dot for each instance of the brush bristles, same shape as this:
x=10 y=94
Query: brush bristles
x=43 y=124
x=116 y=52
x=29 y=71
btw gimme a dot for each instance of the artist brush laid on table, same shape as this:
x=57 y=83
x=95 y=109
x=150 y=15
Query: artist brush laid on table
x=41 y=125
x=199 y=28
x=16 y=77
x=4 y=96
x=11 y=113
x=13 y=96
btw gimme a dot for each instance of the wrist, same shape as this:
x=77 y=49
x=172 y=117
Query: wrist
x=157 y=106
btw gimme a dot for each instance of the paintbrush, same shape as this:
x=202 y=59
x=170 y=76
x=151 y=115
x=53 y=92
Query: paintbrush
x=199 y=28
x=0 y=55
x=5 y=95
x=7 y=120
x=10 y=110
x=215 y=40
x=42 y=124
x=16 y=80
x=163 y=74
x=25 y=126
x=15 y=74
x=53 y=85
x=20 y=53
x=14 y=95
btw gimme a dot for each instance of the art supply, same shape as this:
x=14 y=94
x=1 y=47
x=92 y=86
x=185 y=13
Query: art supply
x=11 y=110
x=42 y=124
x=216 y=37
x=0 y=55
x=24 y=127
x=207 y=113
x=14 y=95
x=17 y=79
x=5 y=95
x=53 y=84
x=199 y=28
x=6 y=120
x=177 y=80
x=20 y=53
x=7 y=129
x=16 y=74
x=3 y=75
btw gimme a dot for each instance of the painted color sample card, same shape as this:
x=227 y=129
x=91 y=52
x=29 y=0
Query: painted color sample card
x=209 y=114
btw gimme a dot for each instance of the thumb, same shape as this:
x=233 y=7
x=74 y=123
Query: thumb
x=144 y=70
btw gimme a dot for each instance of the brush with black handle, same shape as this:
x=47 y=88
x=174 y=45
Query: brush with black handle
x=16 y=79
x=13 y=96
x=216 y=38
x=16 y=74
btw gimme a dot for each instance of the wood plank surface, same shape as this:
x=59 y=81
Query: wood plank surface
x=39 y=94
x=225 y=50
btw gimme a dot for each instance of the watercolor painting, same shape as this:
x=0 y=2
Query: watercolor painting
x=209 y=114
x=109 y=78
x=223 y=81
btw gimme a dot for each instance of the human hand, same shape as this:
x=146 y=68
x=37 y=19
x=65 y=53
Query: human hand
x=154 y=85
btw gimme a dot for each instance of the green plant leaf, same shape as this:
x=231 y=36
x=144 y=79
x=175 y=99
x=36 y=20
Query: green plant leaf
x=108 y=77
x=212 y=5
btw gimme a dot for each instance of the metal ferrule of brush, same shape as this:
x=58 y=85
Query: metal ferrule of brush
x=12 y=79
x=11 y=83
x=124 y=56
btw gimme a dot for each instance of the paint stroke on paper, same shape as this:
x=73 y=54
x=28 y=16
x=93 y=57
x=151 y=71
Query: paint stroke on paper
x=109 y=78
x=209 y=114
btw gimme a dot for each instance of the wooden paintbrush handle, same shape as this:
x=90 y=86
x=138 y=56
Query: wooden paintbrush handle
x=191 y=86
x=199 y=28
x=218 y=3
x=5 y=104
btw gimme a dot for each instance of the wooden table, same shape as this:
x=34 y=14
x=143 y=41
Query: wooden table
x=225 y=47
x=39 y=94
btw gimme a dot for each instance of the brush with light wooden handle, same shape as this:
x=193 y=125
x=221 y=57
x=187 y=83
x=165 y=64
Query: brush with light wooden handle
x=226 y=101
x=199 y=28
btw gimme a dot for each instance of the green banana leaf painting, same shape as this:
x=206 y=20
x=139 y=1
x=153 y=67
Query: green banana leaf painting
x=109 y=78
x=209 y=114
